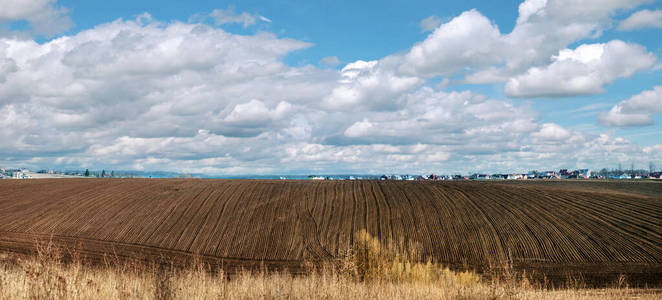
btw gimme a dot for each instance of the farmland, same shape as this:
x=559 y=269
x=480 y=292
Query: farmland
x=597 y=229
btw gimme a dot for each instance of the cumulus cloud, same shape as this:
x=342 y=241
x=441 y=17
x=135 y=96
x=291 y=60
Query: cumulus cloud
x=462 y=120
x=369 y=85
x=471 y=45
x=553 y=132
x=635 y=111
x=584 y=70
x=141 y=94
x=147 y=80
x=44 y=16
x=469 y=39
x=642 y=19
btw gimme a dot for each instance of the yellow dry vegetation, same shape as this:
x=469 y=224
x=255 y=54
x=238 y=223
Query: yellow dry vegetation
x=370 y=270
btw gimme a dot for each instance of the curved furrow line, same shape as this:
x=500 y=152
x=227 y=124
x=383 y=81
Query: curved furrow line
x=594 y=222
x=622 y=227
x=95 y=220
x=231 y=214
x=199 y=225
x=388 y=225
x=339 y=228
x=242 y=238
x=282 y=236
x=118 y=227
x=54 y=220
x=548 y=221
x=311 y=233
x=430 y=226
x=372 y=211
x=556 y=219
x=179 y=236
x=207 y=243
x=491 y=247
x=454 y=216
x=38 y=216
x=169 y=214
x=199 y=229
x=571 y=243
x=409 y=216
x=153 y=214
x=594 y=229
x=518 y=233
x=326 y=213
x=168 y=231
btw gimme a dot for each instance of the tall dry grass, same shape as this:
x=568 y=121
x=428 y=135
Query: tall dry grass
x=369 y=270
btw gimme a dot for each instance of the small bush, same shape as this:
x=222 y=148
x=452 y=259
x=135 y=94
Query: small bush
x=369 y=260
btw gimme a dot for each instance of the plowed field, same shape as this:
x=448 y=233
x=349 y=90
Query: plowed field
x=551 y=229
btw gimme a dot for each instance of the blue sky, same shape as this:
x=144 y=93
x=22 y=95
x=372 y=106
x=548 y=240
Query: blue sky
x=268 y=87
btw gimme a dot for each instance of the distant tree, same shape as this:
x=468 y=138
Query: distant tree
x=112 y=173
x=103 y=173
x=87 y=173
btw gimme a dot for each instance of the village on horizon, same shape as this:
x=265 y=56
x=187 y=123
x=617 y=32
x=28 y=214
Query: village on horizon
x=632 y=173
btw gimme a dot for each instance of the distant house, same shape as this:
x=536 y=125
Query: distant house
x=584 y=173
x=477 y=176
x=514 y=176
x=549 y=174
x=624 y=176
x=655 y=175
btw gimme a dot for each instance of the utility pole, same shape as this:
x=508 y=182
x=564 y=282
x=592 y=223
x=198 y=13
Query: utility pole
x=650 y=167
x=619 y=168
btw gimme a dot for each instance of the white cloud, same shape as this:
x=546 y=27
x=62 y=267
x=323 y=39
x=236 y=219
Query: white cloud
x=430 y=23
x=192 y=97
x=256 y=111
x=469 y=39
x=551 y=132
x=615 y=117
x=330 y=61
x=44 y=16
x=635 y=111
x=147 y=80
x=584 y=70
x=228 y=16
x=359 y=129
x=431 y=117
x=531 y=8
x=369 y=85
x=471 y=45
x=642 y=19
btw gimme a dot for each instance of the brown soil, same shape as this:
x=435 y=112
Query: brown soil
x=594 y=231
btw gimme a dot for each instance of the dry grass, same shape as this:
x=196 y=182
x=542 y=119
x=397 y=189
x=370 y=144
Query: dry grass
x=369 y=270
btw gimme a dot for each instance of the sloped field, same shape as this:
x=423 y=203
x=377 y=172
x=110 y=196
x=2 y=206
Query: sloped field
x=542 y=228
